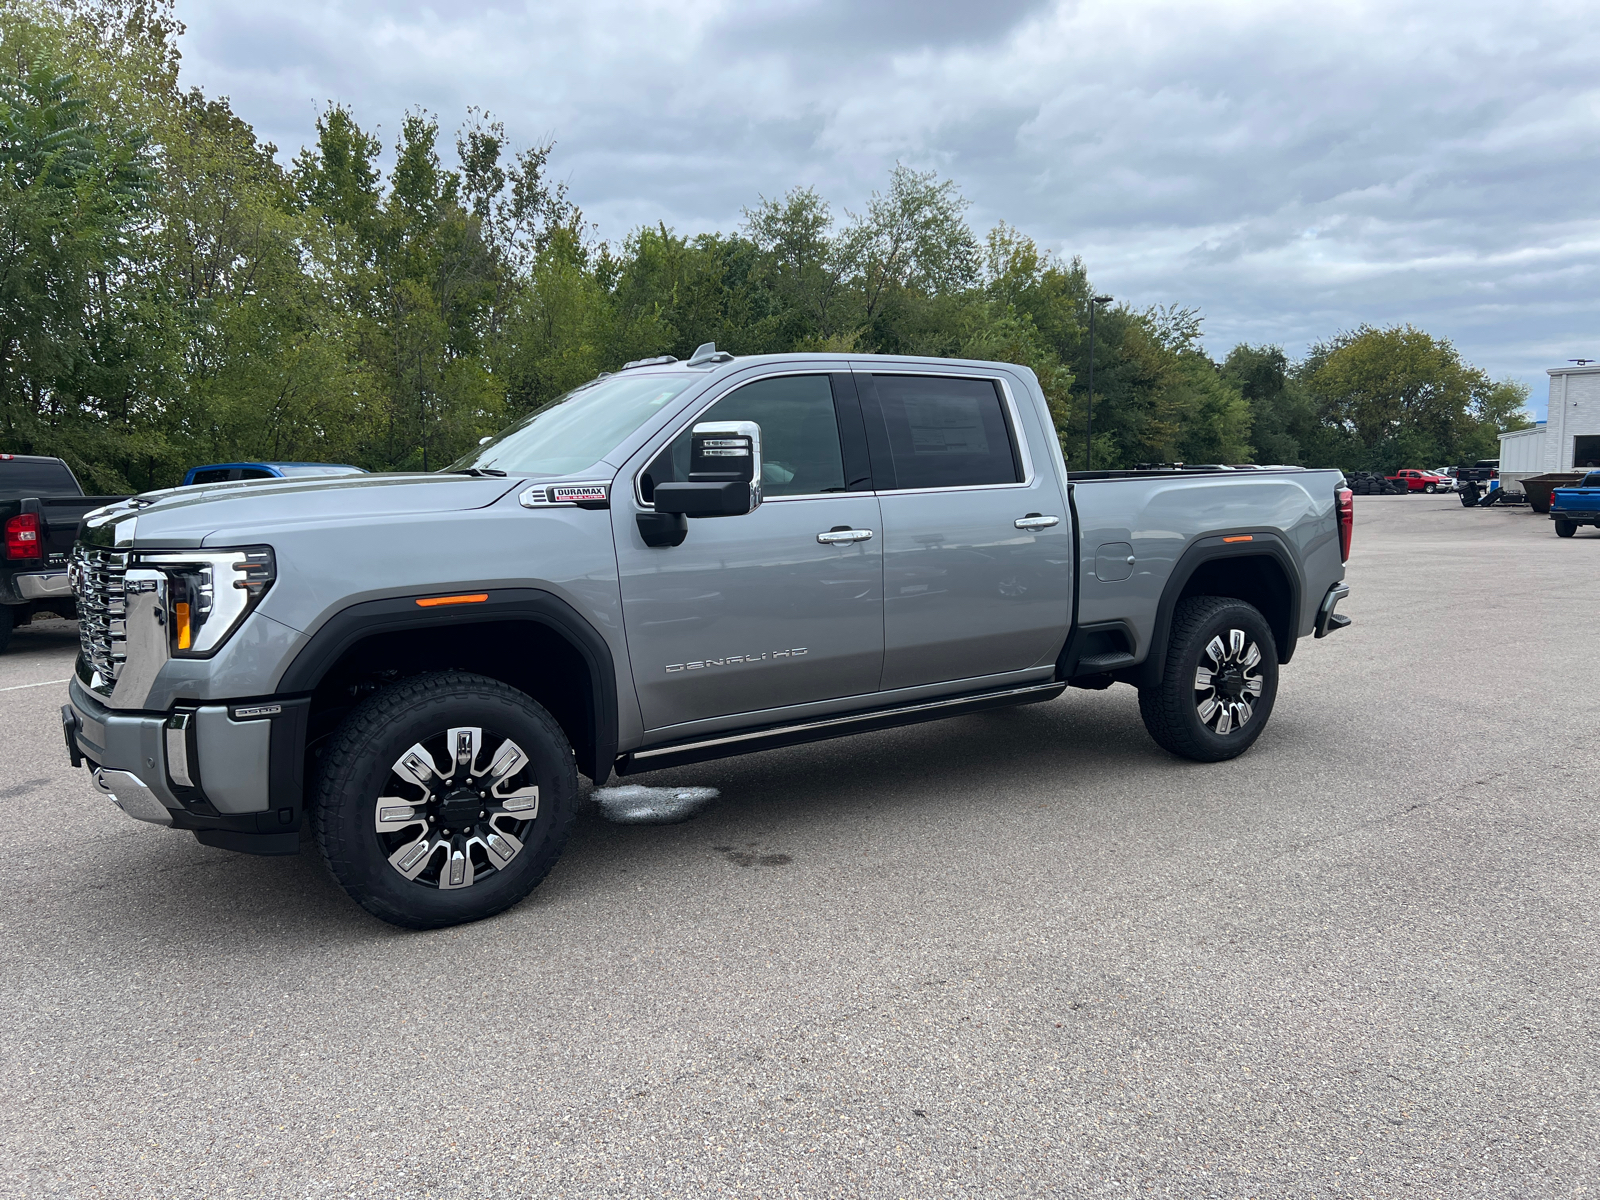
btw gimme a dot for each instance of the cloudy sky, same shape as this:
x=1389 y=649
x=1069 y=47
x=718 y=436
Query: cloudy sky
x=1291 y=169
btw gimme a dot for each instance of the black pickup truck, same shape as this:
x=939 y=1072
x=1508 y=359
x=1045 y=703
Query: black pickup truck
x=41 y=505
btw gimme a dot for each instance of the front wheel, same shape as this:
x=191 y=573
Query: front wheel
x=445 y=798
x=1219 y=681
x=1566 y=528
x=1430 y=488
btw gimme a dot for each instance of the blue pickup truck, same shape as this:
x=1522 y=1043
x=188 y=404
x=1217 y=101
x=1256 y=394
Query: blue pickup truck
x=1578 y=505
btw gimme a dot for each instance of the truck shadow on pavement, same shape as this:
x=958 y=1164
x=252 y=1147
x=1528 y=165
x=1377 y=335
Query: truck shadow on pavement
x=1062 y=754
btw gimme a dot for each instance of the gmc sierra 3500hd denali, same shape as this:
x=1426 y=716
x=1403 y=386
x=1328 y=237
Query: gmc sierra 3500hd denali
x=673 y=563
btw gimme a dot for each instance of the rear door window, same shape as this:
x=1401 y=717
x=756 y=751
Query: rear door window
x=939 y=431
x=255 y=473
x=212 y=475
x=800 y=449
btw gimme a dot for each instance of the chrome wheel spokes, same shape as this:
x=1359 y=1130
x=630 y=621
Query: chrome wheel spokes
x=454 y=827
x=1227 y=686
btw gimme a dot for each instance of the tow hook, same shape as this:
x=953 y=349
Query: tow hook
x=69 y=729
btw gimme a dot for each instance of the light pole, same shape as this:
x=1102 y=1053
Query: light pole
x=1088 y=457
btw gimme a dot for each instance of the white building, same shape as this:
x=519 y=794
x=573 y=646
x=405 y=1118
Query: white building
x=1569 y=439
x=1572 y=431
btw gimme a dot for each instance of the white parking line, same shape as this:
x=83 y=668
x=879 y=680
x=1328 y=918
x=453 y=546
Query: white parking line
x=43 y=683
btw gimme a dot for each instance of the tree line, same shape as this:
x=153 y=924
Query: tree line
x=171 y=293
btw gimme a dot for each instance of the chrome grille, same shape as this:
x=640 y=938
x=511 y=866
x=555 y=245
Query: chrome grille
x=97 y=583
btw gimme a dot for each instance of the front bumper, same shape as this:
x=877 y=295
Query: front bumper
x=232 y=773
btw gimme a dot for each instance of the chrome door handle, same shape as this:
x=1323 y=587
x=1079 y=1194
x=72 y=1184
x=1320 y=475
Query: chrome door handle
x=843 y=536
x=1035 y=521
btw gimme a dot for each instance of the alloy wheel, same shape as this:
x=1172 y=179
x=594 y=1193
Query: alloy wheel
x=452 y=827
x=1227 y=682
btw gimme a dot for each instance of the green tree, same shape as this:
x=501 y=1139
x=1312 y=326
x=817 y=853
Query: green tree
x=75 y=192
x=1403 y=398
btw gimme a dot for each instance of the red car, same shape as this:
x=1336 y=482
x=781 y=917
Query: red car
x=1421 y=481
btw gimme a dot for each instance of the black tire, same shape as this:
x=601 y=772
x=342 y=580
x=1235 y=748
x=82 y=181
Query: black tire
x=362 y=763
x=1566 y=528
x=1430 y=488
x=7 y=621
x=1171 y=710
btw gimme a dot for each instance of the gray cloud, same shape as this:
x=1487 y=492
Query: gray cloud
x=1292 y=169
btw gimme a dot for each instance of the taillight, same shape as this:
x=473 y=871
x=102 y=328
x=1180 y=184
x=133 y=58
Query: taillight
x=1347 y=522
x=22 y=537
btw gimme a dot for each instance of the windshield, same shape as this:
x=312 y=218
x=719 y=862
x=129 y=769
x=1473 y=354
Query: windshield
x=579 y=429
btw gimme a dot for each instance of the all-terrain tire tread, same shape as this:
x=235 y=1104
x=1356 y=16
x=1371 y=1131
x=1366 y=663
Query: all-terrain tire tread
x=1163 y=707
x=340 y=763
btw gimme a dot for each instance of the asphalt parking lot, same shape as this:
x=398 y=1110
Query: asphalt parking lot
x=1019 y=953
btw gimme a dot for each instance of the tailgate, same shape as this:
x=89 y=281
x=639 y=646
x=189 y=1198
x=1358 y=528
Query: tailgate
x=61 y=516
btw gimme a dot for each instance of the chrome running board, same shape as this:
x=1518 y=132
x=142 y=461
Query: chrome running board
x=747 y=741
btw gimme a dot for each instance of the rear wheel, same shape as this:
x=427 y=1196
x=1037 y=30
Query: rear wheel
x=1566 y=528
x=1219 y=681
x=7 y=620
x=445 y=798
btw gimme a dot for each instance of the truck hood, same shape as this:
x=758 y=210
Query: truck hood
x=216 y=514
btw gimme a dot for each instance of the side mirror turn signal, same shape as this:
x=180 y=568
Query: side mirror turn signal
x=724 y=473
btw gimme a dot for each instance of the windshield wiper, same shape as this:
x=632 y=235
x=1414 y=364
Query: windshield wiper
x=480 y=472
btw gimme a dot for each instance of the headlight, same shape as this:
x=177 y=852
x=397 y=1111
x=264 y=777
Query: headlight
x=209 y=592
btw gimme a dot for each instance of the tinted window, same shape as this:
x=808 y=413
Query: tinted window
x=255 y=473
x=211 y=475
x=946 y=432
x=800 y=454
x=19 y=479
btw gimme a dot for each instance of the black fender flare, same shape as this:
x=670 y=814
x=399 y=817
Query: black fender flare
x=1218 y=547
x=349 y=626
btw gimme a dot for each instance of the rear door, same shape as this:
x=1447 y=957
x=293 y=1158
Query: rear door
x=977 y=543
x=782 y=606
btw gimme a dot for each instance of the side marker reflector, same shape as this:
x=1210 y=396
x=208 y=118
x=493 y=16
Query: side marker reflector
x=436 y=601
x=1243 y=537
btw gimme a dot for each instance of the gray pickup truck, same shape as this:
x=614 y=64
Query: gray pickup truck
x=676 y=562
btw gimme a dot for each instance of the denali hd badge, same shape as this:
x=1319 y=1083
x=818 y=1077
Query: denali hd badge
x=733 y=660
x=579 y=495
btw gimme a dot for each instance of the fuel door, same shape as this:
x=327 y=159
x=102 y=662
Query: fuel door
x=1113 y=562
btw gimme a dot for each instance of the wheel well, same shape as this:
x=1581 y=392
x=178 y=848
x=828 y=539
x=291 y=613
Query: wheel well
x=526 y=654
x=1258 y=580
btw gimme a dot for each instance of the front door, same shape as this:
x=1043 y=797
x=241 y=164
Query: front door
x=977 y=542
x=755 y=613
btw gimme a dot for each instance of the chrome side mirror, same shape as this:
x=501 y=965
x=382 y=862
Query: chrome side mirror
x=724 y=473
